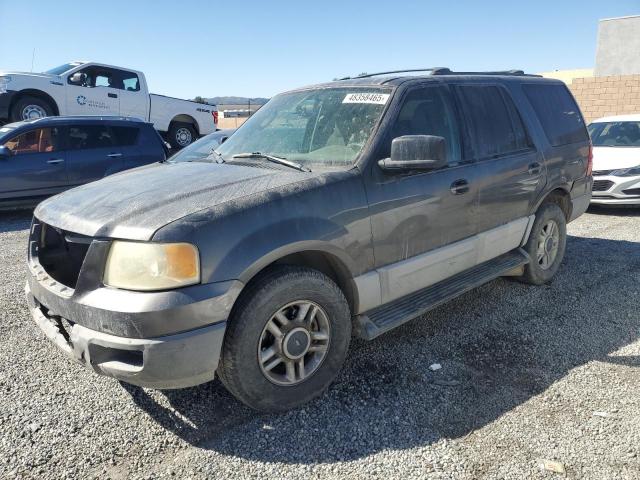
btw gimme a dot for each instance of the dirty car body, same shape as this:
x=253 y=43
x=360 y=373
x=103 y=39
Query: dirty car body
x=382 y=234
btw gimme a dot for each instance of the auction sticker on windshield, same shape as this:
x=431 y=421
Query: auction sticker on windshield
x=377 y=98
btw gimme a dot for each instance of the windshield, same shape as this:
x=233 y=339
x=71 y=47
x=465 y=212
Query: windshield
x=615 y=134
x=201 y=149
x=317 y=128
x=62 y=68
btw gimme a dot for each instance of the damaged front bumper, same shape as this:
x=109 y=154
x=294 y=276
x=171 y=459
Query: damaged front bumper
x=172 y=361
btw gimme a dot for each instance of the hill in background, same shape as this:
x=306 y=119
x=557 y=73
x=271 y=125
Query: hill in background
x=236 y=100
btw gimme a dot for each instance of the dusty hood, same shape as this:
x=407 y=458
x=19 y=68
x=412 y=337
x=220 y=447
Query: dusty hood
x=610 y=158
x=134 y=204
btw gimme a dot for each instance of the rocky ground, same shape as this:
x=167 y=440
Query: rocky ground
x=530 y=376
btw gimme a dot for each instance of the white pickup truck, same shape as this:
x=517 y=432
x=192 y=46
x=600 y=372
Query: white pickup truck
x=88 y=88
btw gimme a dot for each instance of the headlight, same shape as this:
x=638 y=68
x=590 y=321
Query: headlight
x=3 y=84
x=151 y=266
x=626 y=172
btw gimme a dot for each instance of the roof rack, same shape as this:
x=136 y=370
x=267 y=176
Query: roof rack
x=444 y=71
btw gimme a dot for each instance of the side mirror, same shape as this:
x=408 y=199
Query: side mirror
x=416 y=152
x=4 y=152
x=78 y=78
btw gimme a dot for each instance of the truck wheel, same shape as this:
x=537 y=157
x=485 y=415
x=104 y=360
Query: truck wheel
x=30 y=108
x=181 y=134
x=287 y=339
x=546 y=245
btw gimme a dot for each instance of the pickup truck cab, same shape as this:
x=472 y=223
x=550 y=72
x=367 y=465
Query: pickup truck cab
x=89 y=88
x=347 y=208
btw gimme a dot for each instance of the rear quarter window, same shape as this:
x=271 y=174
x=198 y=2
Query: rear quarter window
x=125 y=136
x=558 y=113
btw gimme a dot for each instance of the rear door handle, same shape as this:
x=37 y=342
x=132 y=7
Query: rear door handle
x=112 y=95
x=460 y=187
x=114 y=155
x=55 y=161
x=534 y=168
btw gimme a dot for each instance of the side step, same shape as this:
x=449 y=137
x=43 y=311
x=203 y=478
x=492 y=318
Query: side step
x=386 y=317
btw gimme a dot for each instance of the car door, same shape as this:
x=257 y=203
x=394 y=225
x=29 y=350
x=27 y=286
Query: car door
x=133 y=101
x=510 y=169
x=423 y=222
x=95 y=94
x=36 y=166
x=93 y=152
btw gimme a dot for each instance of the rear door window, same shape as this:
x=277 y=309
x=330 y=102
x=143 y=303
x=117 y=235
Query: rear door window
x=41 y=140
x=558 y=113
x=125 y=136
x=493 y=120
x=85 y=137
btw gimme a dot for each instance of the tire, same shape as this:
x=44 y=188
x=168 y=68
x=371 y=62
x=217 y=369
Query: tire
x=181 y=135
x=541 y=270
x=31 y=106
x=249 y=335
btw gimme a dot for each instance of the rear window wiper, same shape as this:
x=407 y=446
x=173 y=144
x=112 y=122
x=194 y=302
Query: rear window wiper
x=274 y=159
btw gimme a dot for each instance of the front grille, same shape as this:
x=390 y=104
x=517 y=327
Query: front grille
x=60 y=253
x=601 y=173
x=601 y=185
x=631 y=191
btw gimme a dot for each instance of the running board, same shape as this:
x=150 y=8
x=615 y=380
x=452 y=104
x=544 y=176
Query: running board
x=386 y=317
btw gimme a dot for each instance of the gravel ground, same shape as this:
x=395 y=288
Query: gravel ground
x=528 y=374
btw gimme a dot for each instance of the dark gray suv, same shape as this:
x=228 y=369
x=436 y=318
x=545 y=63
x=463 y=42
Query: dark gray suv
x=340 y=209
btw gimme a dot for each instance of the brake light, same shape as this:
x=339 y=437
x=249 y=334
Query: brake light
x=215 y=116
x=590 y=160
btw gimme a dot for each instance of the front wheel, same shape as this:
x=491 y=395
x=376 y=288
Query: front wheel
x=546 y=245
x=30 y=108
x=287 y=339
x=181 y=135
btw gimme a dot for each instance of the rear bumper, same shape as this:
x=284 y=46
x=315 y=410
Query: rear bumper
x=172 y=361
x=580 y=205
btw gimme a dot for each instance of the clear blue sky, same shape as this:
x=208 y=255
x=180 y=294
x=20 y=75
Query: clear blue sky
x=259 y=48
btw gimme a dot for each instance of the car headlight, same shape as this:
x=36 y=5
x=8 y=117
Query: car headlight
x=151 y=266
x=3 y=84
x=626 y=172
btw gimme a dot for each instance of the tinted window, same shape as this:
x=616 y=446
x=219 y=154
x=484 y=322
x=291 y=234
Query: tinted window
x=494 y=122
x=41 y=140
x=90 y=136
x=111 y=77
x=615 y=134
x=558 y=113
x=428 y=111
x=125 y=136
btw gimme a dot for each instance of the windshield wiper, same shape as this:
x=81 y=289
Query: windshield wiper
x=274 y=159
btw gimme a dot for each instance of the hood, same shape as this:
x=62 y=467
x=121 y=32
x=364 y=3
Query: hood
x=28 y=74
x=611 y=158
x=134 y=204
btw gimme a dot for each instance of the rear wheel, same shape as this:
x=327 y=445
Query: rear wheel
x=181 y=135
x=30 y=108
x=287 y=339
x=546 y=244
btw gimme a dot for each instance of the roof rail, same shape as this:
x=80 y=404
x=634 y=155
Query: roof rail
x=444 y=71
x=367 y=75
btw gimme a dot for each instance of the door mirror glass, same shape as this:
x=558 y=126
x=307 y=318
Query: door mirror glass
x=416 y=152
x=4 y=152
x=78 y=78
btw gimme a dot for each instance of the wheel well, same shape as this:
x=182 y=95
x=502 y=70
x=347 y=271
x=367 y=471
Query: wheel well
x=561 y=198
x=324 y=262
x=183 y=118
x=36 y=93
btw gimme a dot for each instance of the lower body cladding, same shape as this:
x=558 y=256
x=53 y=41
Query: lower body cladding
x=610 y=190
x=176 y=360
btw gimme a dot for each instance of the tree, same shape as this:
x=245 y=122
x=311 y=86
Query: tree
x=199 y=99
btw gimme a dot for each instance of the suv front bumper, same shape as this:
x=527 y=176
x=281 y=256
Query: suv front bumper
x=172 y=361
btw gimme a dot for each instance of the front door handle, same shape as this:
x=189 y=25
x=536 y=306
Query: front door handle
x=112 y=95
x=114 y=155
x=55 y=161
x=534 y=168
x=460 y=187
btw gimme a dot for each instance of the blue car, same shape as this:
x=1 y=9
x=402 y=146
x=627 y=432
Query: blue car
x=39 y=158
